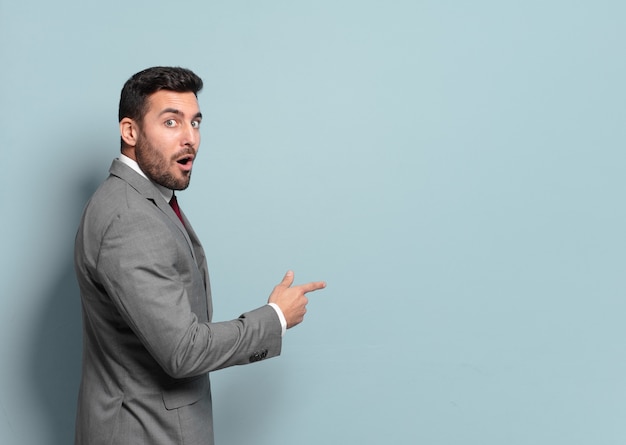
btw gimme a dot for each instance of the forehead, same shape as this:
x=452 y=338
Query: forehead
x=186 y=103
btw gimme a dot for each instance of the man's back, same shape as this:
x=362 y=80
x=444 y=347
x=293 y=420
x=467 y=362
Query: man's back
x=125 y=391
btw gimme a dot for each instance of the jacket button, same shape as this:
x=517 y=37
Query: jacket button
x=258 y=356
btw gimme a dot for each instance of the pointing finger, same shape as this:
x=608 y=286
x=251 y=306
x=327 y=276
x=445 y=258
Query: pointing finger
x=313 y=286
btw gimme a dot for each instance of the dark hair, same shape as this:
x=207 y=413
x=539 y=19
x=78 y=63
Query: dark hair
x=137 y=89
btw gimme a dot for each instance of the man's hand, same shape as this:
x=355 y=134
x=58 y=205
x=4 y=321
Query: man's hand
x=292 y=300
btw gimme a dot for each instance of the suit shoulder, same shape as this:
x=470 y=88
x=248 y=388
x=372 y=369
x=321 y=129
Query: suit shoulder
x=115 y=199
x=110 y=198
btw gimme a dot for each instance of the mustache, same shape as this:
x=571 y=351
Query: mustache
x=188 y=151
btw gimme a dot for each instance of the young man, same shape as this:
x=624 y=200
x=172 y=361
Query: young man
x=149 y=342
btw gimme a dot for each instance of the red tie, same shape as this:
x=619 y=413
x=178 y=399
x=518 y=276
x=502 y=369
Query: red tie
x=174 y=205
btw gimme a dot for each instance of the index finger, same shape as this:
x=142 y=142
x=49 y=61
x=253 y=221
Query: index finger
x=312 y=286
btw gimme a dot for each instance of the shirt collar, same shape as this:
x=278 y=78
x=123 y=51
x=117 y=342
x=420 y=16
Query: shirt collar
x=164 y=191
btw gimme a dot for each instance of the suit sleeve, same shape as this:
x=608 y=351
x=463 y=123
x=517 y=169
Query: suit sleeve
x=151 y=277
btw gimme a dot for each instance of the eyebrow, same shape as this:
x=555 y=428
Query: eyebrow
x=198 y=115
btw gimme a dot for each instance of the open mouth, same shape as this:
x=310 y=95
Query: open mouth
x=186 y=160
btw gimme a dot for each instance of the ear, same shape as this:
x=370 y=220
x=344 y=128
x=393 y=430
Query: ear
x=129 y=131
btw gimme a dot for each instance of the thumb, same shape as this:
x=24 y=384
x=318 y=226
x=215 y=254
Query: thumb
x=287 y=279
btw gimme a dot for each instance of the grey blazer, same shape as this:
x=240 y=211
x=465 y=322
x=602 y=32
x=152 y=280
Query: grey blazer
x=148 y=339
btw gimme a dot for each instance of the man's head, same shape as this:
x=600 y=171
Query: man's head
x=160 y=123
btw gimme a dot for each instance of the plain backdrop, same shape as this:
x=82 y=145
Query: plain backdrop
x=453 y=169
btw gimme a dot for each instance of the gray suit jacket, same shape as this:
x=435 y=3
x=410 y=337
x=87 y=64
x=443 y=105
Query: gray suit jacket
x=148 y=339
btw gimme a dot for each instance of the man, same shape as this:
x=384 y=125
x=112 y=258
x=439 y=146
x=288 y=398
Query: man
x=148 y=338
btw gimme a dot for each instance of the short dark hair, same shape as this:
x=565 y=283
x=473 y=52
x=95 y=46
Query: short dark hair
x=137 y=89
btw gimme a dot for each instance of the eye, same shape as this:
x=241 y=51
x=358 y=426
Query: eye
x=170 y=123
x=195 y=124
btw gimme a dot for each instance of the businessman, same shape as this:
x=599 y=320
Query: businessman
x=148 y=338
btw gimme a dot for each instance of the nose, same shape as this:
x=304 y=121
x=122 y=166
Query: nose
x=191 y=136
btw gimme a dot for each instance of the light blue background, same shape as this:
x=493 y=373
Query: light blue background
x=453 y=169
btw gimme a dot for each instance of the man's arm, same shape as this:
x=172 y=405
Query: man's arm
x=150 y=275
x=153 y=280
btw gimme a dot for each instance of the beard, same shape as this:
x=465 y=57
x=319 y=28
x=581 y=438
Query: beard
x=157 y=167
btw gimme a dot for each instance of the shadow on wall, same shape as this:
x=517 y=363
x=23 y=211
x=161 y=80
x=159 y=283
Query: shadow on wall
x=56 y=354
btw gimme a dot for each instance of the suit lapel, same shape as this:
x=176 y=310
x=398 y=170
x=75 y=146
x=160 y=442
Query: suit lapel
x=201 y=262
x=151 y=193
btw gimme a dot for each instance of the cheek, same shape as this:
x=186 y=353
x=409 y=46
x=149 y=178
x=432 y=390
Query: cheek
x=163 y=142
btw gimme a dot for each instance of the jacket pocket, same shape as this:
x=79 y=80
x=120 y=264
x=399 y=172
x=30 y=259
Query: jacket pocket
x=185 y=393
